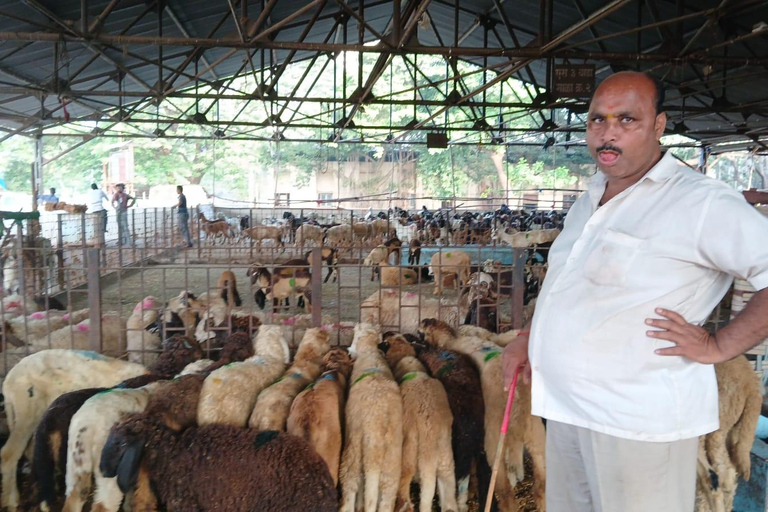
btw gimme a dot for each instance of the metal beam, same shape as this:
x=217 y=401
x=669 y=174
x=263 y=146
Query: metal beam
x=507 y=53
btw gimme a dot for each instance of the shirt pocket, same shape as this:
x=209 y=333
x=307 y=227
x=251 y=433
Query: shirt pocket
x=611 y=259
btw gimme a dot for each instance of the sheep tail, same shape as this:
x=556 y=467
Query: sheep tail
x=44 y=468
x=483 y=479
x=743 y=433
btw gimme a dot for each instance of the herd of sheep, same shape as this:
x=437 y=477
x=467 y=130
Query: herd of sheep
x=264 y=426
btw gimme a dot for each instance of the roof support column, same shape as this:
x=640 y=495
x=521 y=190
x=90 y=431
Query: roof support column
x=37 y=169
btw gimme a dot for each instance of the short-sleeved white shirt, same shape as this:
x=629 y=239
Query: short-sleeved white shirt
x=675 y=239
x=95 y=198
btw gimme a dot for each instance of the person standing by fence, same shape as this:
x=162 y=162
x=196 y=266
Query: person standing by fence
x=121 y=201
x=183 y=216
x=96 y=198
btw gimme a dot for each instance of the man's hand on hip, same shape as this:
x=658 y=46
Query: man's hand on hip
x=691 y=341
x=515 y=355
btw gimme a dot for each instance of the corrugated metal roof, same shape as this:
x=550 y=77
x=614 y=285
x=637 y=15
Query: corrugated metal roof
x=714 y=109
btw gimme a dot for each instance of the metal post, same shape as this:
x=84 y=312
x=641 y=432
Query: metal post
x=60 y=252
x=94 y=300
x=518 y=287
x=317 y=287
x=20 y=260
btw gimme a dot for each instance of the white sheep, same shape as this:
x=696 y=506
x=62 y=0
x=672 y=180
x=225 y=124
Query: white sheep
x=34 y=383
x=373 y=439
x=337 y=236
x=35 y=327
x=404 y=310
x=274 y=403
x=306 y=233
x=88 y=431
x=229 y=393
x=450 y=262
x=377 y=255
x=76 y=337
x=142 y=332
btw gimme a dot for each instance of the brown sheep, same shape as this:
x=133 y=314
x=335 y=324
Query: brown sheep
x=524 y=430
x=227 y=285
x=447 y=263
x=214 y=229
x=317 y=413
x=724 y=455
x=372 y=457
x=260 y=233
x=427 y=422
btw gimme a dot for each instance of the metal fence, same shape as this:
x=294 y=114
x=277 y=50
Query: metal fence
x=103 y=283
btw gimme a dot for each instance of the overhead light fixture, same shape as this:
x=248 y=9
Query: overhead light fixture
x=437 y=141
x=549 y=125
x=198 y=118
x=389 y=138
x=219 y=134
x=680 y=128
x=550 y=142
x=496 y=139
x=159 y=133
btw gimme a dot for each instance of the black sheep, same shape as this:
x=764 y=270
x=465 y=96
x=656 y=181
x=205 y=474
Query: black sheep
x=235 y=469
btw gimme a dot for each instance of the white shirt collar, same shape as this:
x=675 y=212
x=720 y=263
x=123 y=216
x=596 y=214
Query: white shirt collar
x=664 y=169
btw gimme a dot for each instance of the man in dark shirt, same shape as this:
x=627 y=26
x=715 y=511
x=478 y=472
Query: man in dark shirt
x=121 y=201
x=183 y=216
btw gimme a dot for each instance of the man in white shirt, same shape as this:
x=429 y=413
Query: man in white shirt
x=618 y=362
x=96 y=199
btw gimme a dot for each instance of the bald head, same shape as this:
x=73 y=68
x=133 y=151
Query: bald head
x=649 y=84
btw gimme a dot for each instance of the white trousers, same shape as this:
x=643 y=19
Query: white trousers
x=592 y=472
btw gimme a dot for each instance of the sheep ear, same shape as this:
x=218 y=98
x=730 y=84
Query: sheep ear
x=128 y=468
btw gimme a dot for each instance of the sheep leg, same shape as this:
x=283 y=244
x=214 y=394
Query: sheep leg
x=410 y=456
x=107 y=497
x=717 y=454
x=371 y=489
x=428 y=476
x=446 y=475
x=389 y=477
x=144 y=499
x=350 y=475
x=330 y=271
x=463 y=494
x=535 y=442
x=78 y=494
x=9 y=460
x=438 y=281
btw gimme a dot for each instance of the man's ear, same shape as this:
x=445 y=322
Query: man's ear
x=661 y=124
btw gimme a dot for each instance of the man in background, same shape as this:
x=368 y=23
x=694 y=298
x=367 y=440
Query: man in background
x=183 y=215
x=96 y=198
x=121 y=201
x=48 y=198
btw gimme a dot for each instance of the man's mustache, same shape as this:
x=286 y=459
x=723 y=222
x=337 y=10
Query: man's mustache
x=608 y=147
